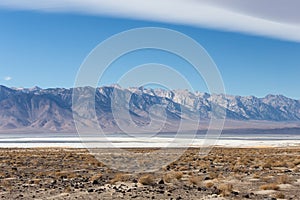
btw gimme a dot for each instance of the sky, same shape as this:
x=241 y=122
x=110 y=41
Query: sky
x=46 y=48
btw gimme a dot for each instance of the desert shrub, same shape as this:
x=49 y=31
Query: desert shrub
x=280 y=164
x=280 y=195
x=267 y=165
x=34 y=181
x=177 y=175
x=266 y=178
x=95 y=177
x=284 y=179
x=67 y=189
x=120 y=178
x=195 y=180
x=256 y=175
x=190 y=173
x=6 y=184
x=64 y=174
x=173 y=175
x=168 y=178
x=225 y=189
x=296 y=169
x=184 y=168
x=270 y=186
x=147 y=180
x=213 y=175
x=290 y=164
x=297 y=162
x=209 y=184
x=2 y=175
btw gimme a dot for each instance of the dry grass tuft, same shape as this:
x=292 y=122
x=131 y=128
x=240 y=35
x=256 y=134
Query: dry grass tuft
x=147 y=180
x=209 y=184
x=213 y=175
x=120 y=178
x=280 y=195
x=267 y=165
x=284 y=179
x=297 y=162
x=195 y=180
x=270 y=186
x=96 y=177
x=226 y=189
x=256 y=175
x=64 y=175
x=177 y=175
x=34 y=181
x=6 y=184
x=67 y=189
x=173 y=175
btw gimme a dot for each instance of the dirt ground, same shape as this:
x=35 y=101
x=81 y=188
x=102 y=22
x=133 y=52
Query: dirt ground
x=225 y=173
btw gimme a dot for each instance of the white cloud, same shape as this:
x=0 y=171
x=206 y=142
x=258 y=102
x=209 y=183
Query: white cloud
x=7 y=78
x=271 y=18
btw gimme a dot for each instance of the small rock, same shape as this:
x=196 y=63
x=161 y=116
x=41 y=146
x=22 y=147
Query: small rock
x=161 y=187
x=202 y=189
x=216 y=191
x=90 y=190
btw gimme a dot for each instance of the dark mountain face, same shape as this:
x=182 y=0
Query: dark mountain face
x=51 y=109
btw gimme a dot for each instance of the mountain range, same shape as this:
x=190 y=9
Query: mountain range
x=51 y=109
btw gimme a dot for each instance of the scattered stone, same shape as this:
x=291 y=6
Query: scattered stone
x=90 y=190
x=215 y=190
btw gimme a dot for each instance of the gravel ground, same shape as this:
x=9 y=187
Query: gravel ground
x=225 y=173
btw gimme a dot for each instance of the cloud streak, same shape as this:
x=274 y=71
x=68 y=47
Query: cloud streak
x=271 y=18
x=7 y=78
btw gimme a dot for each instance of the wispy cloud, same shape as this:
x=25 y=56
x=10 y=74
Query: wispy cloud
x=271 y=18
x=7 y=78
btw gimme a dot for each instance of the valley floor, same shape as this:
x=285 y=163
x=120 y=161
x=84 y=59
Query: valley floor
x=225 y=173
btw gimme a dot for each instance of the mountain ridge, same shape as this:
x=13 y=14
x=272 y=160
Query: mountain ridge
x=51 y=109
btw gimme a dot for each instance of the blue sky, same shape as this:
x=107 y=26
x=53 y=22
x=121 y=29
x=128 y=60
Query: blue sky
x=46 y=49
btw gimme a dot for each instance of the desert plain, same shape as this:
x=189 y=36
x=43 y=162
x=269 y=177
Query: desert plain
x=224 y=173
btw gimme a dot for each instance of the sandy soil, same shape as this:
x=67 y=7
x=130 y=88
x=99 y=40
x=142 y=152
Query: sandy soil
x=226 y=173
